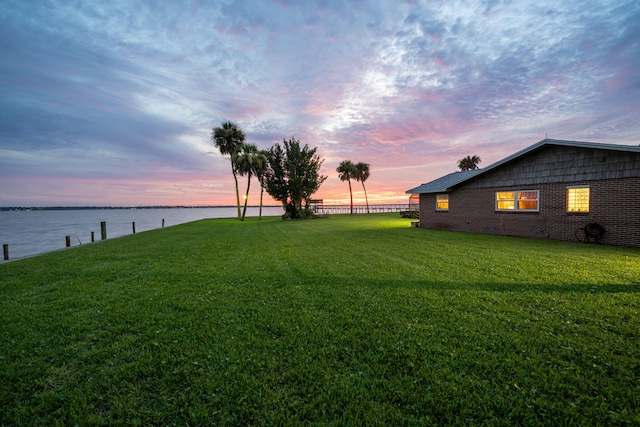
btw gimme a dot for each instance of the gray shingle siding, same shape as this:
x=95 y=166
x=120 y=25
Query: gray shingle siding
x=547 y=161
x=589 y=167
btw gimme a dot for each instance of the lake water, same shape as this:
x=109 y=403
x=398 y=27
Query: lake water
x=37 y=231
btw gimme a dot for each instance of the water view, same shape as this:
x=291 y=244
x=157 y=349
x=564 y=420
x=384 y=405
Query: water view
x=32 y=232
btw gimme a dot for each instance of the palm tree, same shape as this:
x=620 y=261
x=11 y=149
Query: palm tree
x=362 y=174
x=347 y=171
x=260 y=169
x=245 y=160
x=469 y=163
x=229 y=138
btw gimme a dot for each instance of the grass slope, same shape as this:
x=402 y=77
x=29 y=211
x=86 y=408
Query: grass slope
x=349 y=320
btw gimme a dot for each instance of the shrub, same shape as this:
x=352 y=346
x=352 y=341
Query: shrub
x=302 y=214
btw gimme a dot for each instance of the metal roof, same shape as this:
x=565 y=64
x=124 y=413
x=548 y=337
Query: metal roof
x=447 y=182
x=443 y=184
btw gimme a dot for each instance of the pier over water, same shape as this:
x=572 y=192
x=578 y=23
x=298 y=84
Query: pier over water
x=323 y=209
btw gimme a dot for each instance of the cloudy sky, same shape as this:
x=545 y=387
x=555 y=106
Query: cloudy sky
x=112 y=103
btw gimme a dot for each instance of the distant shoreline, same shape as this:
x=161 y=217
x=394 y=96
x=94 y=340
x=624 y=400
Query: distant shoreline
x=77 y=208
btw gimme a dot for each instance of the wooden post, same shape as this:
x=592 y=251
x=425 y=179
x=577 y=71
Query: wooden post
x=67 y=240
x=162 y=222
x=103 y=230
x=93 y=237
x=133 y=225
x=5 y=249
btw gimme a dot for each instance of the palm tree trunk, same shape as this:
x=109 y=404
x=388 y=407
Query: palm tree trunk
x=365 y=196
x=235 y=178
x=261 y=193
x=246 y=197
x=351 y=195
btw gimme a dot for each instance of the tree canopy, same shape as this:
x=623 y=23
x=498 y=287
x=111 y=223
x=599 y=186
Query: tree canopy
x=229 y=138
x=469 y=163
x=346 y=172
x=293 y=175
x=362 y=174
x=248 y=161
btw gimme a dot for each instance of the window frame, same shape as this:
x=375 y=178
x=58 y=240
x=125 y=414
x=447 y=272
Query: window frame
x=438 y=208
x=515 y=200
x=573 y=187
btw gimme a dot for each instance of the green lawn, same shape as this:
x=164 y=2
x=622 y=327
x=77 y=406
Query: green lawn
x=350 y=320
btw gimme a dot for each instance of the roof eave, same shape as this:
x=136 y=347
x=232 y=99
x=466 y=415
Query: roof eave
x=523 y=152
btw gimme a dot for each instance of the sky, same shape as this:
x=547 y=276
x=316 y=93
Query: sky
x=112 y=103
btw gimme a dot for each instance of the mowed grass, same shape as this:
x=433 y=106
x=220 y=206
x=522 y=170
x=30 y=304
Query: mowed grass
x=350 y=320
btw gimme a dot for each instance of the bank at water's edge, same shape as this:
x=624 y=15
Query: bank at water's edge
x=30 y=232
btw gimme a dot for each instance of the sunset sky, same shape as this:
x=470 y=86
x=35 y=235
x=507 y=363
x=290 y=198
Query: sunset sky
x=112 y=102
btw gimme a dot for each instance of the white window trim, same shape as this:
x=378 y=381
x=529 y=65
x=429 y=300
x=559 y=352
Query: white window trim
x=515 y=202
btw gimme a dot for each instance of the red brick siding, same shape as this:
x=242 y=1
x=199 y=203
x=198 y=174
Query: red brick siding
x=614 y=204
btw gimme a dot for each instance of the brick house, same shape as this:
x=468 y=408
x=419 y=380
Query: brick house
x=550 y=190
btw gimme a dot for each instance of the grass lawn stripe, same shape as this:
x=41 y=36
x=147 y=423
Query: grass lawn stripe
x=348 y=320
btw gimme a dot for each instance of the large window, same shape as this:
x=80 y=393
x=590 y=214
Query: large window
x=578 y=199
x=442 y=202
x=520 y=201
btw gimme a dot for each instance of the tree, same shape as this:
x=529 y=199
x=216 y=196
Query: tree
x=362 y=174
x=346 y=172
x=245 y=164
x=229 y=138
x=293 y=175
x=469 y=163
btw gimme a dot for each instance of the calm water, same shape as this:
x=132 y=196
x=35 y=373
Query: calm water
x=33 y=232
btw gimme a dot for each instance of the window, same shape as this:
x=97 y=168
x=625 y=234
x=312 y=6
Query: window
x=505 y=200
x=522 y=201
x=577 y=199
x=527 y=200
x=442 y=202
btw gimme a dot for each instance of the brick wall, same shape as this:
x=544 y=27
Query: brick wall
x=614 y=204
